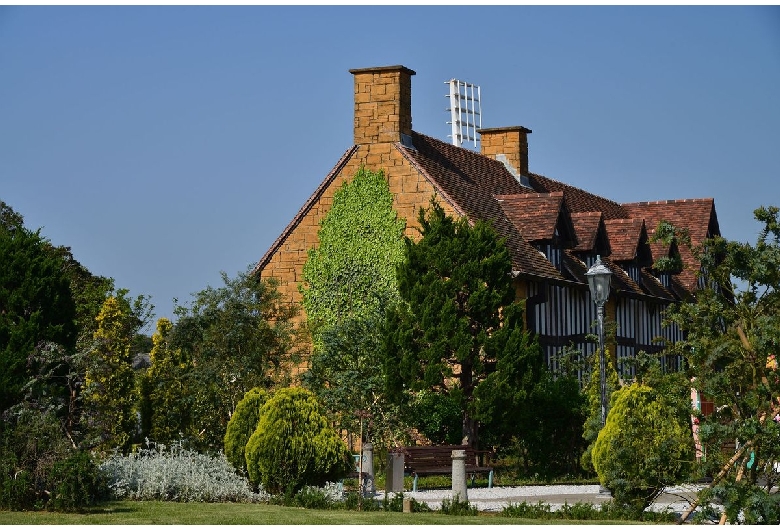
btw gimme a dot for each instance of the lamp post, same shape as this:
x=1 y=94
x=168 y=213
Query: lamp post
x=599 y=277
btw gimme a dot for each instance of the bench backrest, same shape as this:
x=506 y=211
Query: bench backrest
x=438 y=455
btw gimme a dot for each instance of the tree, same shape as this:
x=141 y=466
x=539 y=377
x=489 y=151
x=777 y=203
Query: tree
x=458 y=313
x=645 y=446
x=293 y=446
x=348 y=283
x=166 y=406
x=36 y=304
x=110 y=380
x=236 y=337
x=732 y=340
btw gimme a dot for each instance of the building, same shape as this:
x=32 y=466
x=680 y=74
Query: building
x=554 y=231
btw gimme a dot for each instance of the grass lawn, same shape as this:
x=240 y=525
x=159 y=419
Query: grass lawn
x=158 y=513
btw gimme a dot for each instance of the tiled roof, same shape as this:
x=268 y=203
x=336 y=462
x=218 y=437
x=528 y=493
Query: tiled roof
x=696 y=215
x=586 y=228
x=472 y=181
x=480 y=187
x=624 y=236
x=578 y=200
x=535 y=215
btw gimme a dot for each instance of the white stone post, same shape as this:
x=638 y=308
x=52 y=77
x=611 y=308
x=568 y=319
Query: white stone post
x=459 y=475
x=367 y=481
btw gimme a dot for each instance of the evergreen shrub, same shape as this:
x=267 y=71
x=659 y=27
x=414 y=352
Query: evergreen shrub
x=645 y=446
x=242 y=424
x=293 y=446
x=79 y=483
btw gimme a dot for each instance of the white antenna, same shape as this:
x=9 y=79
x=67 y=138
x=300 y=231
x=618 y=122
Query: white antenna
x=465 y=111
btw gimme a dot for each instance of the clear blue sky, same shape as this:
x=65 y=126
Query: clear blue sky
x=167 y=144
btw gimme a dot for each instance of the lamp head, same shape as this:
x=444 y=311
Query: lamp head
x=599 y=279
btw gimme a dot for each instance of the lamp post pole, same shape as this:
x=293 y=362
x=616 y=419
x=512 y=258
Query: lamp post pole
x=599 y=278
x=602 y=363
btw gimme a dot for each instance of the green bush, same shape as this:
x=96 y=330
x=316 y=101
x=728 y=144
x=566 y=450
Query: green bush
x=31 y=444
x=17 y=488
x=293 y=446
x=457 y=507
x=645 y=445
x=242 y=424
x=79 y=483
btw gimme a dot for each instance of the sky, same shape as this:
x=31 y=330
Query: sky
x=166 y=145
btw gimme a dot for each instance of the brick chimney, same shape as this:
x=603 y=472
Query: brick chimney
x=512 y=142
x=383 y=104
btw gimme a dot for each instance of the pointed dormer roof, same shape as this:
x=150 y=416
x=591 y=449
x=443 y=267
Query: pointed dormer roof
x=625 y=236
x=538 y=216
x=586 y=228
x=697 y=216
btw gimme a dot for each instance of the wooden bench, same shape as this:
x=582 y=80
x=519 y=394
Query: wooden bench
x=423 y=460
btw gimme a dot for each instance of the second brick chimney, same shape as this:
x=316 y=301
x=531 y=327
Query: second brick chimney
x=512 y=142
x=383 y=104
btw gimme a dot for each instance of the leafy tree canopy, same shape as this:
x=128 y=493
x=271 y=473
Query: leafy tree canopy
x=36 y=304
x=458 y=314
x=732 y=340
x=236 y=337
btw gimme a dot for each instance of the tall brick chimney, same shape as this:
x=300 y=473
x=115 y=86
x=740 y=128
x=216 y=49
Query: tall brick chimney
x=383 y=104
x=512 y=142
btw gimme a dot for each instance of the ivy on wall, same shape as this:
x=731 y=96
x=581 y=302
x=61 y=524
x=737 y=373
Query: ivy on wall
x=351 y=273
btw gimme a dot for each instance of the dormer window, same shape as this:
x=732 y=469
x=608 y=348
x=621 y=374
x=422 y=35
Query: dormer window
x=633 y=271
x=553 y=254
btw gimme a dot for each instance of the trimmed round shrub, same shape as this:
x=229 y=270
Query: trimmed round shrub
x=293 y=446
x=242 y=424
x=646 y=445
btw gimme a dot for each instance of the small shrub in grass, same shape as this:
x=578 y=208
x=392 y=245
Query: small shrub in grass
x=78 y=483
x=356 y=502
x=457 y=507
x=582 y=511
x=395 y=503
x=157 y=472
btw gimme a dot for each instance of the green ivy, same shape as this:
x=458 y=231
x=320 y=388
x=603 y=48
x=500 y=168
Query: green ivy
x=352 y=272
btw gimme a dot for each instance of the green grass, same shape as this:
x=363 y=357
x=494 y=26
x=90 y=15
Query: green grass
x=158 y=513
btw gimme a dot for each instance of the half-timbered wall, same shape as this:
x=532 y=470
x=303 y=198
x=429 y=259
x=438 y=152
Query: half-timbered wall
x=562 y=316
x=639 y=327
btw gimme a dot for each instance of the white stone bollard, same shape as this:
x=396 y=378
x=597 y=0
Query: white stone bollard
x=367 y=482
x=459 y=475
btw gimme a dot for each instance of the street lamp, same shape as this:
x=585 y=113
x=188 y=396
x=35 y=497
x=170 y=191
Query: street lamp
x=599 y=277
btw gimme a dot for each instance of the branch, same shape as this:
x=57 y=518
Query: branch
x=723 y=472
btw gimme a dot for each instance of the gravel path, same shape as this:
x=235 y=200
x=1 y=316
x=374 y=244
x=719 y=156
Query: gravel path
x=677 y=499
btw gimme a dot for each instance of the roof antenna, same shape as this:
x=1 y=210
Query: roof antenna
x=465 y=111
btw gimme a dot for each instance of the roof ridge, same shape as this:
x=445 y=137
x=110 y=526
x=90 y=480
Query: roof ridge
x=668 y=201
